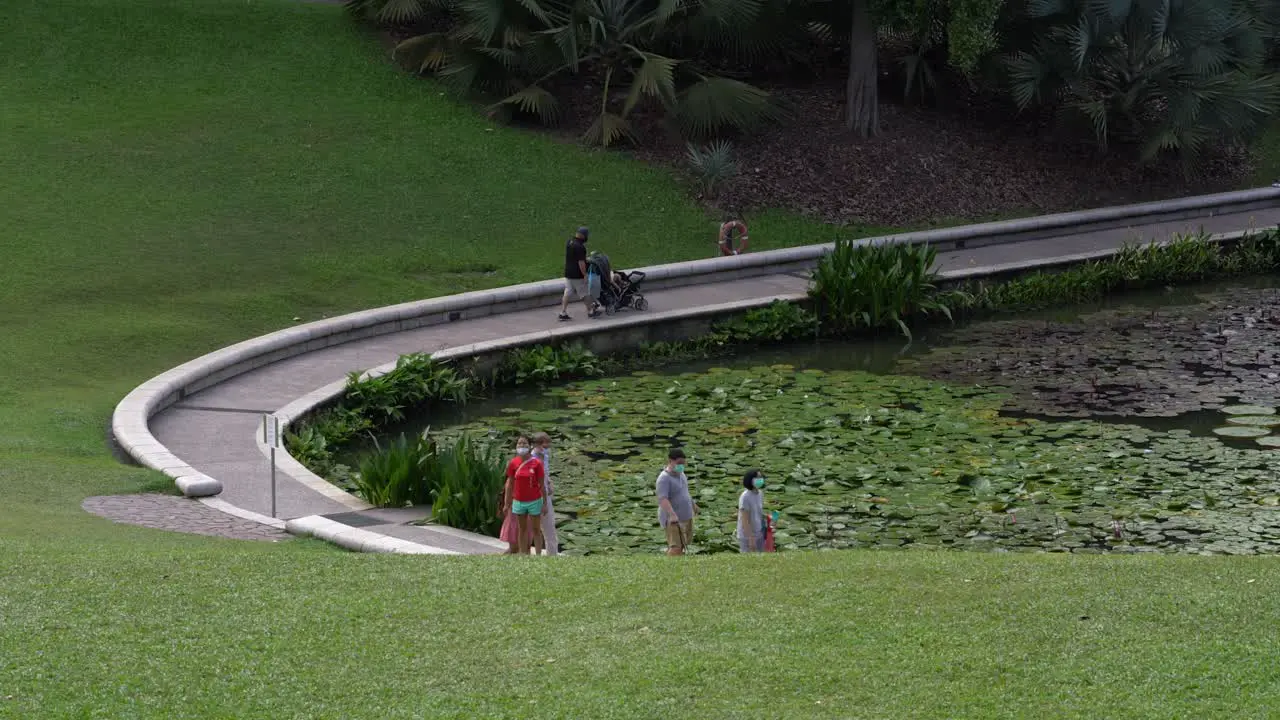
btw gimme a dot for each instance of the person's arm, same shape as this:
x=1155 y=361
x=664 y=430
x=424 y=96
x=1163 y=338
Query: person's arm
x=582 y=267
x=507 y=490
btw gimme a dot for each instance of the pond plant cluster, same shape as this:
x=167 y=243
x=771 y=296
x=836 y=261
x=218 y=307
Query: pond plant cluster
x=861 y=460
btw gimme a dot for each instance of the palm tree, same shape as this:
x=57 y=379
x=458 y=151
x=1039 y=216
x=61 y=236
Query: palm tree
x=1173 y=76
x=514 y=50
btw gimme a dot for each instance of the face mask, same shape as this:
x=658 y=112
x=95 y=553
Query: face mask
x=680 y=468
x=522 y=451
x=758 y=482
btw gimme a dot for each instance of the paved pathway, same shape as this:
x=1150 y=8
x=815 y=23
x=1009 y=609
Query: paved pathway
x=213 y=430
x=179 y=514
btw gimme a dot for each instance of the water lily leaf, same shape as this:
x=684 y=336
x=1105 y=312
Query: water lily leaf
x=1254 y=420
x=1241 y=431
x=1249 y=410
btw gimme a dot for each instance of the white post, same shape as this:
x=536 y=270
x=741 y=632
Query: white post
x=271 y=438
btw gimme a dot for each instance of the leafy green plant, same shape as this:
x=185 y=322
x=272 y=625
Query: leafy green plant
x=1185 y=259
x=461 y=479
x=712 y=165
x=546 y=363
x=471 y=478
x=1171 y=77
x=310 y=446
x=859 y=287
x=398 y=475
x=777 y=322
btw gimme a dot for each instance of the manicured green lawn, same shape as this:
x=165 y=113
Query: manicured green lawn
x=175 y=176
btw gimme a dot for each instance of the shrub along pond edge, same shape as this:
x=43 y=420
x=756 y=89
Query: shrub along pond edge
x=857 y=291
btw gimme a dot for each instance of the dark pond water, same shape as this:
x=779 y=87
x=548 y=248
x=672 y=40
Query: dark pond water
x=1087 y=429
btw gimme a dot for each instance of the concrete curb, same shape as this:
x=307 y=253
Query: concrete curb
x=356 y=539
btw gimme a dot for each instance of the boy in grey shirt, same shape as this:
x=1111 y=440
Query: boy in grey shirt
x=675 y=506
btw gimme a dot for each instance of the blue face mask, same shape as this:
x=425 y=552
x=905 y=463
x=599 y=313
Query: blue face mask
x=758 y=482
x=680 y=468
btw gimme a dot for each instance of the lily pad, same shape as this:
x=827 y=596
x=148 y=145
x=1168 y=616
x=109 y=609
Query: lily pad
x=1241 y=431
x=1254 y=420
x=1270 y=441
x=1249 y=410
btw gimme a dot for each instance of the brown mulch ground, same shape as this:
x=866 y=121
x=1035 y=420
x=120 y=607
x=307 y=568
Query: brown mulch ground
x=932 y=165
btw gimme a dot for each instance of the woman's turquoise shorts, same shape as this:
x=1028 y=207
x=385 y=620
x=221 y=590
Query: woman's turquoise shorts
x=533 y=507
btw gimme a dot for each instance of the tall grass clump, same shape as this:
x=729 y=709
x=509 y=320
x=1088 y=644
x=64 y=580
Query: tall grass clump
x=861 y=287
x=460 y=479
x=470 y=481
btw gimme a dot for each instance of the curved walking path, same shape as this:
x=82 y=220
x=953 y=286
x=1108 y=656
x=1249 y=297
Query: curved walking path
x=214 y=430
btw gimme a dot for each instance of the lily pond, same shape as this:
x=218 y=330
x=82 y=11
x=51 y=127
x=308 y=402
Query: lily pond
x=1145 y=426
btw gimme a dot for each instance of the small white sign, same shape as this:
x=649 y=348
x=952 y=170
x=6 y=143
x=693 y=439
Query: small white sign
x=271 y=430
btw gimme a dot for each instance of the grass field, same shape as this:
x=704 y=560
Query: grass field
x=175 y=176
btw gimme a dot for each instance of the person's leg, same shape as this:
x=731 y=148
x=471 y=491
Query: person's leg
x=675 y=545
x=522 y=526
x=564 y=300
x=535 y=523
x=548 y=523
x=509 y=532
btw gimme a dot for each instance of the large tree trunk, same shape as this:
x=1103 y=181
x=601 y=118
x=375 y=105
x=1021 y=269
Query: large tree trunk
x=862 y=115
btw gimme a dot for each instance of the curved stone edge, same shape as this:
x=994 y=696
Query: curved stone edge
x=129 y=422
x=357 y=539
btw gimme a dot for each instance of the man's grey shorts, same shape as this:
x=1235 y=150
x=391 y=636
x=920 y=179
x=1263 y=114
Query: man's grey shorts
x=576 y=287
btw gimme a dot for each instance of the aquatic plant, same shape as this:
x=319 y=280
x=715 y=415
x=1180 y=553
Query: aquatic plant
x=1185 y=259
x=459 y=478
x=861 y=287
x=546 y=363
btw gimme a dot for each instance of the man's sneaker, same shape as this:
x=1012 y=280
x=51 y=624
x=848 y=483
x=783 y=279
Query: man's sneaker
x=564 y=316
x=594 y=313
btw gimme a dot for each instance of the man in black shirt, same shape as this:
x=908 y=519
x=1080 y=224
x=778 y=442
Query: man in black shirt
x=575 y=274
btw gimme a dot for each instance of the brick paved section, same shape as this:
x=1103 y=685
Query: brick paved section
x=178 y=514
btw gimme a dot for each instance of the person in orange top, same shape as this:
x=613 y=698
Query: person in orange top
x=510 y=531
x=527 y=499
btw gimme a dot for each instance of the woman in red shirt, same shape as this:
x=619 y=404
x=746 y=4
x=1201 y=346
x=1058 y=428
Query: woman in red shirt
x=526 y=498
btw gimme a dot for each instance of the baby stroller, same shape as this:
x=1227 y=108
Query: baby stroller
x=617 y=290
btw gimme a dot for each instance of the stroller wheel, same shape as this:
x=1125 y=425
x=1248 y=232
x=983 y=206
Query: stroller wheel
x=640 y=303
x=610 y=308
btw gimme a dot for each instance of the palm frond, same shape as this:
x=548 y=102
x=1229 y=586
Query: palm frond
x=608 y=129
x=481 y=19
x=653 y=77
x=716 y=103
x=430 y=52
x=534 y=100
